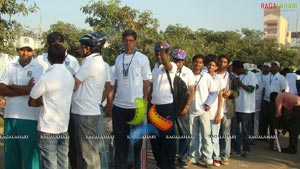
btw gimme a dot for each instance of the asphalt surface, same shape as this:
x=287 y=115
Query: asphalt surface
x=261 y=158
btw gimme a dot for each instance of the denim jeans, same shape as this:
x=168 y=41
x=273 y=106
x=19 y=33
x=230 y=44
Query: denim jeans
x=225 y=138
x=53 y=150
x=87 y=145
x=245 y=120
x=200 y=130
x=215 y=129
x=102 y=151
x=183 y=126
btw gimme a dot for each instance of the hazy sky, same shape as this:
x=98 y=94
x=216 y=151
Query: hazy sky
x=217 y=15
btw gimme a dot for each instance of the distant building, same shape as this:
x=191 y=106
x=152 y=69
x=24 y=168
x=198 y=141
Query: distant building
x=276 y=27
x=295 y=39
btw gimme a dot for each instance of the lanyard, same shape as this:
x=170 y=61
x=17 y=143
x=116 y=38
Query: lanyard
x=125 y=70
x=197 y=82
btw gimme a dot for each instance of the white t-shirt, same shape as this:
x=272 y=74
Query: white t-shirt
x=226 y=80
x=259 y=91
x=130 y=87
x=71 y=62
x=245 y=102
x=291 y=81
x=14 y=73
x=219 y=85
x=187 y=76
x=162 y=93
x=203 y=85
x=275 y=83
x=56 y=88
x=93 y=76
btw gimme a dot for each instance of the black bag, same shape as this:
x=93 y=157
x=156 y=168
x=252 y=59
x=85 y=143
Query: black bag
x=180 y=92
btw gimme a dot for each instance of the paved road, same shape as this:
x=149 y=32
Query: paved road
x=262 y=158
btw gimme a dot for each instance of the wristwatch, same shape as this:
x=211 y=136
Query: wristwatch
x=162 y=47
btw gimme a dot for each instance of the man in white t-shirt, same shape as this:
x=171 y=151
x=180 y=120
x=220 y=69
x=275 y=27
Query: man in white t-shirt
x=275 y=83
x=244 y=107
x=216 y=112
x=53 y=91
x=163 y=74
x=70 y=62
x=182 y=119
x=132 y=75
x=20 y=120
x=201 y=145
x=91 y=81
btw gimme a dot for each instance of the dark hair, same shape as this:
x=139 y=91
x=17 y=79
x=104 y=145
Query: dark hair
x=211 y=59
x=236 y=64
x=56 y=53
x=201 y=56
x=129 y=32
x=225 y=57
x=55 y=37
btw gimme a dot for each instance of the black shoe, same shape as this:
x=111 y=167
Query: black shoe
x=246 y=154
x=289 y=151
x=182 y=164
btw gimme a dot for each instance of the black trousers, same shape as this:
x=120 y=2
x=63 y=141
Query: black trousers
x=294 y=128
x=121 y=131
x=267 y=118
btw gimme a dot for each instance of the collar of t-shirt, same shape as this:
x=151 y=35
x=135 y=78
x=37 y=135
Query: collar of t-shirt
x=92 y=55
x=32 y=63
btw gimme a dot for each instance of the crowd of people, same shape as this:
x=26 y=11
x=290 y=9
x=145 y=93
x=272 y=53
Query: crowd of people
x=53 y=106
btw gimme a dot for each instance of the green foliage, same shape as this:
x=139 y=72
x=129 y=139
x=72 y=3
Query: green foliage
x=9 y=28
x=110 y=19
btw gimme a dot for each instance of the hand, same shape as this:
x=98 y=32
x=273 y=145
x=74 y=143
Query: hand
x=206 y=108
x=226 y=94
x=31 y=82
x=218 y=118
x=2 y=102
x=40 y=101
x=184 y=111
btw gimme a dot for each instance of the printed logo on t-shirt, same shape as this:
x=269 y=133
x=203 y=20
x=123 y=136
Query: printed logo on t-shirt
x=67 y=63
x=29 y=73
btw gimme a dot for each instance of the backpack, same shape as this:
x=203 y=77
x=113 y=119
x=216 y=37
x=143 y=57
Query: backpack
x=180 y=92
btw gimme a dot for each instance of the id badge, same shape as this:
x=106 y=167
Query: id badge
x=125 y=81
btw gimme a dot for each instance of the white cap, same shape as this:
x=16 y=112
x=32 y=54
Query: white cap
x=276 y=62
x=25 y=42
x=267 y=64
x=247 y=66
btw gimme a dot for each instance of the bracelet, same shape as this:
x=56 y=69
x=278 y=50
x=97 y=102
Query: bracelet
x=187 y=106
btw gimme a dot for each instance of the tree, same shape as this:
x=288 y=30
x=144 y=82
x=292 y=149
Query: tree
x=112 y=20
x=9 y=28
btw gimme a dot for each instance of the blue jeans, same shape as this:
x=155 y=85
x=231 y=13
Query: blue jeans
x=200 y=130
x=102 y=151
x=87 y=147
x=183 y=125
x=53 y=150
x=245 y=120
x=225 y=138
x=215 y=129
